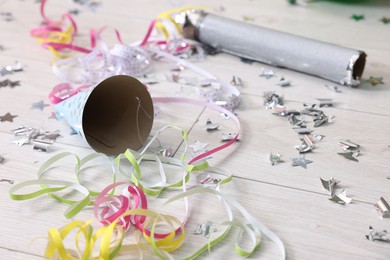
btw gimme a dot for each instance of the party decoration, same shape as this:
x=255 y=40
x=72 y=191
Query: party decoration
x=300 y=161
x=378 y=235
x=114 y=115
x=383 y=208
x=40 y=105
x=9 y=83
x=336 y=63
x=375 y=80
x=7 y=117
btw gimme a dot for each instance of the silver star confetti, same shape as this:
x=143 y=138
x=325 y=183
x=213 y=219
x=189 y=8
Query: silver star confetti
x=39 y=105
x=374 y=235
x=383 y=208
x=9 y=83
x=300 y=161
x=7 y=117
x=198 y=146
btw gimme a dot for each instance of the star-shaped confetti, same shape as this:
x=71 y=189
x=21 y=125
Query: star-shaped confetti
x=375 y=81
x=39 y=105
x=357 y=17
x=300 y=161
x=385 y=20
x=198 y=146
x=7 y=117
x=9 y=83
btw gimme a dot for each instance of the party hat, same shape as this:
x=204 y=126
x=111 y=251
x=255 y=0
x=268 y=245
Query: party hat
x=112 y=116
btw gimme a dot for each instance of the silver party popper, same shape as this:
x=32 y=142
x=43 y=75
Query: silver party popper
x=329 y=61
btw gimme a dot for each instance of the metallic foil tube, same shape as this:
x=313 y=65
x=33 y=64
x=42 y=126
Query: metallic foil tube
x=325 y=60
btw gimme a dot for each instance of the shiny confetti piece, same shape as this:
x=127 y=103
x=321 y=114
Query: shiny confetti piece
x=7 y=117
x=383 y=208
x=306 y=145
x=300 y=161
x=7 y=16
x=302 y=130
x=9 y=83
x=236 y=81
x=7 y=180
x=330 y=184
x=267 y=73
x=357 y=17
x=350 y=155
x=52 y=135
x=341 y=197
x=42 y=145
x=272 y=100
x=10 y=69
x=325 y=102
x=375 y=81
x=385 y=20
x=275 y=159
x=210 y=126
x=320 y=119
x=164 y=152
x=283 y=82
x=203 y=229
x=296 y=120
x=318 y=137
x=228 y=137
x=375 y=235
x=39 y=105
x=349 y=145
x=198 y=146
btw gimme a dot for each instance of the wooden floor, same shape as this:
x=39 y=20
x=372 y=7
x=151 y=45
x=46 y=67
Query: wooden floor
x=288 y=200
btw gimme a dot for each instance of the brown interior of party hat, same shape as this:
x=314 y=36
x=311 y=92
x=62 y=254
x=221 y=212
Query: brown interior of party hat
x=118 y=115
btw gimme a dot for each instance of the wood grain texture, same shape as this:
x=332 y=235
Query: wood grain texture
x=289 y=200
